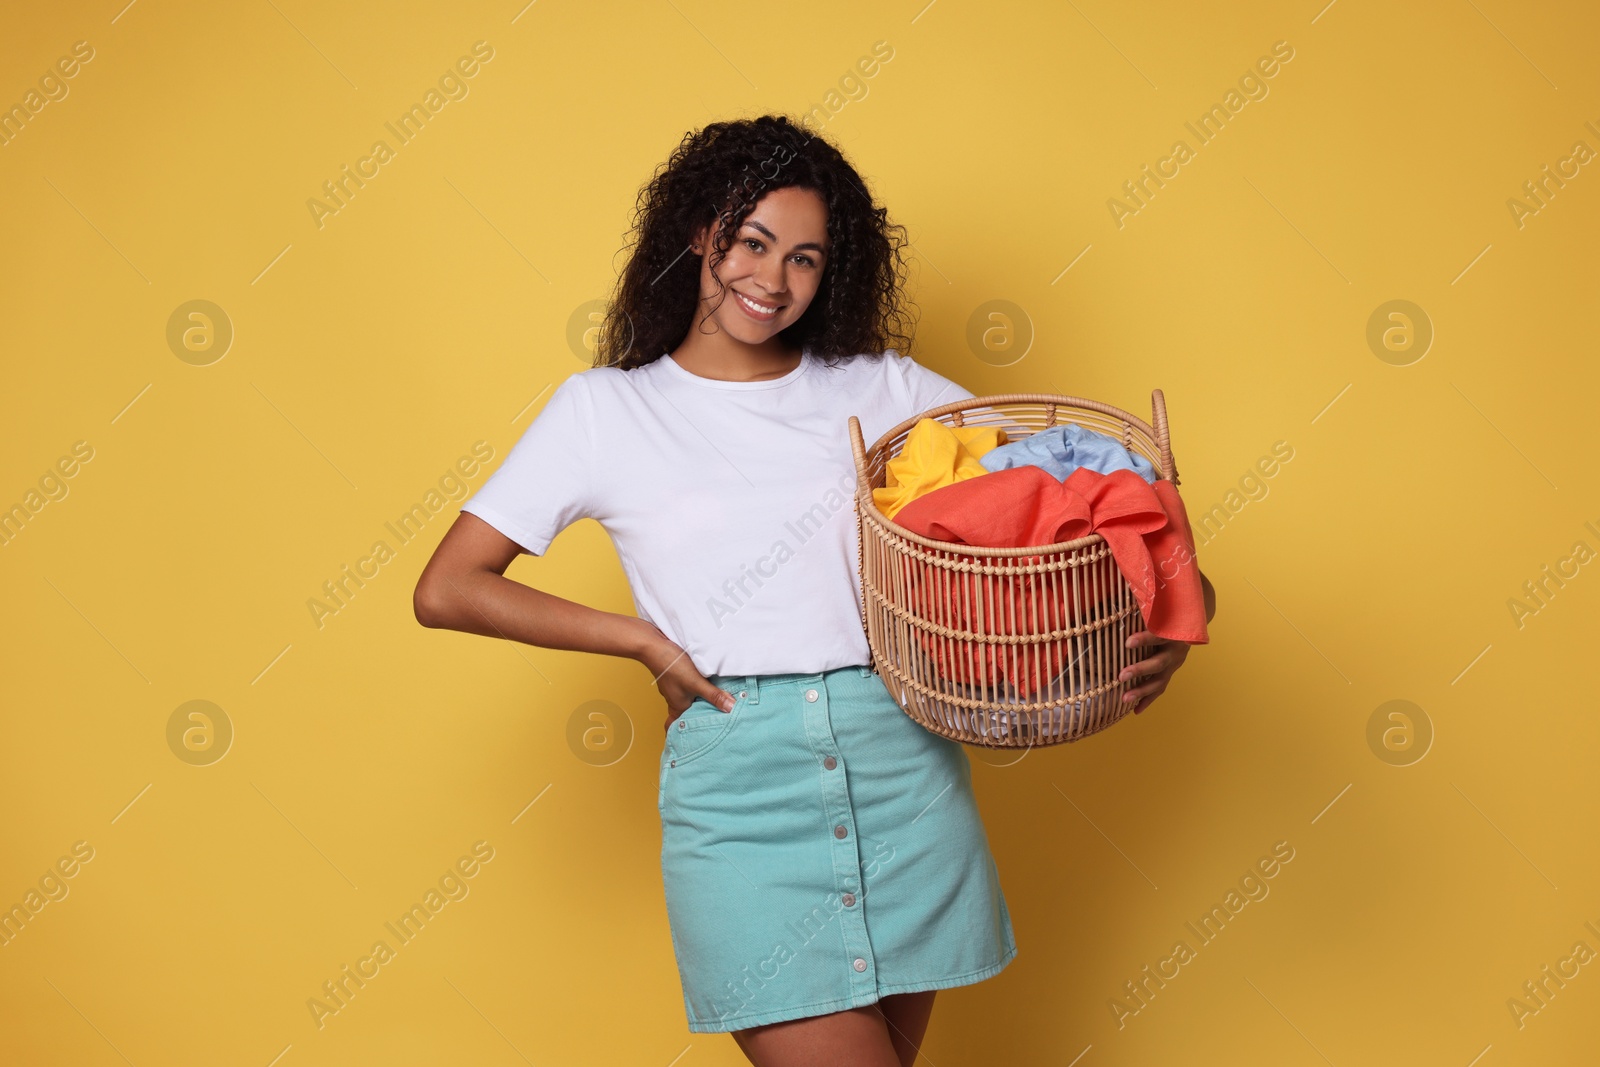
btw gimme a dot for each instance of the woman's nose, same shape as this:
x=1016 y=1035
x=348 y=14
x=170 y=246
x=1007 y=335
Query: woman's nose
x=769 y=276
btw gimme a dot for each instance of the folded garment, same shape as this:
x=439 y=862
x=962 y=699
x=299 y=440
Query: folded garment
x=1144 y=525
x=1060 y=450
x=934 y=455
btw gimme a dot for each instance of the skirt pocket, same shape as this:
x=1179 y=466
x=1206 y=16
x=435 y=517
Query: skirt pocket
x=698 y=730
x=701 y=728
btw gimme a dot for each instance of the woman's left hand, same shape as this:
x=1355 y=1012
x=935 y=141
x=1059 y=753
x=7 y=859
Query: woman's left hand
x=1155 y=670
x=1158 y=668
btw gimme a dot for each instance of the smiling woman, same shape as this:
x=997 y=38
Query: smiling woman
x=773 y=280
x=774 y=213
x=760 y=309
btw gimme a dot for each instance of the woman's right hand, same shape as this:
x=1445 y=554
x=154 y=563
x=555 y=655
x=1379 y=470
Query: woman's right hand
x=677 y=678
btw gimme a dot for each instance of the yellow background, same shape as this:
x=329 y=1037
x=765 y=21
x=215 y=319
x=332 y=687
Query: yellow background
x=432 y=312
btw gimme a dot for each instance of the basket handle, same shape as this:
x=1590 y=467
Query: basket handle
x=1158 y=411
x=858 y=447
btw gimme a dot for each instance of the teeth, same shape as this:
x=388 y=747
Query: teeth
x=760 y=309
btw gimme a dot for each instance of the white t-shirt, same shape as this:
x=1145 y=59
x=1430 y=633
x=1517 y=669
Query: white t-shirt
x=731 y=504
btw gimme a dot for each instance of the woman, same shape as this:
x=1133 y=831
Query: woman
x=825 y=867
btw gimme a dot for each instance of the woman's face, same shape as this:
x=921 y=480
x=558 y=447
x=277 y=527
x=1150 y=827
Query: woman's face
x=776 y=261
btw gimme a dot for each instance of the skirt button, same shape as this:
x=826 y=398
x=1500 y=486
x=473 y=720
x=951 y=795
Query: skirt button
x=830 y=763
x=860 y=964
x=839 y=831
x=811 y=695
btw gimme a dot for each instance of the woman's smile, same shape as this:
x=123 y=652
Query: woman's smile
x=761 y=312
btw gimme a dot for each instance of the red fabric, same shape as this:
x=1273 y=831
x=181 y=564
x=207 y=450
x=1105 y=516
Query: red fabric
x=1144 y=525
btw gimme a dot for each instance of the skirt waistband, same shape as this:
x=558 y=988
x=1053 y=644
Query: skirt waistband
x=748 y=686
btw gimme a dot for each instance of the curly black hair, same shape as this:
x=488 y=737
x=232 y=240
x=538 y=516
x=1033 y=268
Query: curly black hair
x=717 y=174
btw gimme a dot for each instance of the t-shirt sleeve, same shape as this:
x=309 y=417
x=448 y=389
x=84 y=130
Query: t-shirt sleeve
x=547 y=480
x=928 y=388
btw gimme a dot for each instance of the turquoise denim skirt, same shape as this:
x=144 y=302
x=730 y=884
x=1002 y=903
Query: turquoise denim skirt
x=819 y=851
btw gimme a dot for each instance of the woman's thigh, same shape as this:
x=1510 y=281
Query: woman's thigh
x=907 y=1016
x=886 y=1034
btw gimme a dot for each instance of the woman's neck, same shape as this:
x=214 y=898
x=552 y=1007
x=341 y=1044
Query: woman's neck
x=723 y=358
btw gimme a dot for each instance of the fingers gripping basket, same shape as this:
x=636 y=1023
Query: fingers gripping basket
x=1002 y=647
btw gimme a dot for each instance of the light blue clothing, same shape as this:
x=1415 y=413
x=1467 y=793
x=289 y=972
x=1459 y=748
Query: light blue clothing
x=1063 y=449
x=819 y=851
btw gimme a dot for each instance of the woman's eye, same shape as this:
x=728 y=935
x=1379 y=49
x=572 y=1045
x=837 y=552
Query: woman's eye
x=756 y=246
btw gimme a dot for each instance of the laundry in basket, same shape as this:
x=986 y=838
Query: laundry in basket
x=998 y=606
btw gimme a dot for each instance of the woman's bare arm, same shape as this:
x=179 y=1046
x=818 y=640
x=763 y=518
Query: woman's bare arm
x=464 y=588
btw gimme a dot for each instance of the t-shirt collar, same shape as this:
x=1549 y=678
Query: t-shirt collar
x=714 y=383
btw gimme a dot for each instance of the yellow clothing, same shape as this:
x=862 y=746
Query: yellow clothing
x=934 y=455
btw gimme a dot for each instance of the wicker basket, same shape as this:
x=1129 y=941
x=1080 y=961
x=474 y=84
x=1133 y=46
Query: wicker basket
x=1002 y=647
